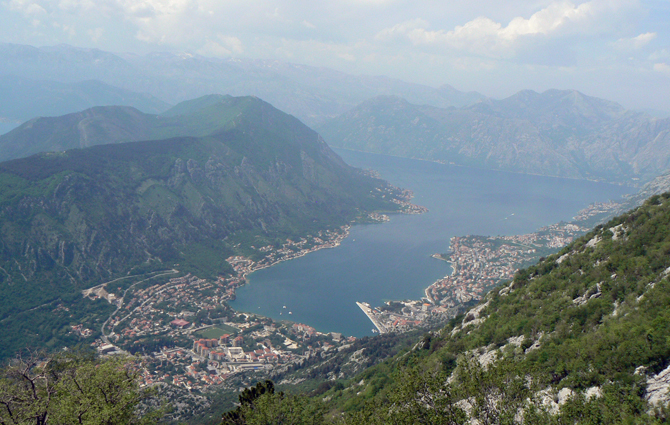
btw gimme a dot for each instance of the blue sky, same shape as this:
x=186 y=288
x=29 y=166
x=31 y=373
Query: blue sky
x=615 y=49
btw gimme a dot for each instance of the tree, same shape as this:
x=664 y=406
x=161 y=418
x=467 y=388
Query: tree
x=260 y=405
x=71 y=389
x=247 y=398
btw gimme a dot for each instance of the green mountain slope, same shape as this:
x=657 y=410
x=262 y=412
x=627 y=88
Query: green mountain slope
x=581 y=337
x=117 y=124
x=555 y=133
x=73 y=219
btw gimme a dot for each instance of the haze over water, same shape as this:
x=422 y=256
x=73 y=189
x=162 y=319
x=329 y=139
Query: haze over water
x=378 y=262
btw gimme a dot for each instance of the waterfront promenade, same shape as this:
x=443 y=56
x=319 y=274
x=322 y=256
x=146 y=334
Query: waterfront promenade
x=367 y=309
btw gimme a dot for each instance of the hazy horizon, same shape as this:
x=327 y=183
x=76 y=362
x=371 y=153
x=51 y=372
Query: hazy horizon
x=617 y=50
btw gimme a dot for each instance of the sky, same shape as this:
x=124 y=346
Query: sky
x=614 y=49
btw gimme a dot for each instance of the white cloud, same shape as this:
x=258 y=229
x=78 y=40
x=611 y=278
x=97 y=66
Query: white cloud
x=308 y=24
x=663 y=68
x=347 y=57
x=401 y=30
x=72 y=5
x=233 y=43
x=635 y=43
x=67 y=29
x=484 y=36
x=660 y=55
x=27 y=7
x=96 y=34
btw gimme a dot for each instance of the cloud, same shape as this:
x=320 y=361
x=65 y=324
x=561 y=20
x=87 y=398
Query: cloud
x=484 y=36
x=663 y=68
x=75 y=5
x=27 y=7
x=308 y=24
x=401 y=30
x=95 y=34
x=635 y=43
x=660 y=55
x=67 y=29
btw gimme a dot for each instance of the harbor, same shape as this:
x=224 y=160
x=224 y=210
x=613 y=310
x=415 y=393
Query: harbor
x=370 y=312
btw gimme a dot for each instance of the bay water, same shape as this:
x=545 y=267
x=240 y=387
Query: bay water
x=391 y=261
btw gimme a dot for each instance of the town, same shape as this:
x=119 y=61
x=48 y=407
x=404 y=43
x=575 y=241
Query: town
x=187 y=335
x=479 y=263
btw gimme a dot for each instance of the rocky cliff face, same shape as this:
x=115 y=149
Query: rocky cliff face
x=555 y=133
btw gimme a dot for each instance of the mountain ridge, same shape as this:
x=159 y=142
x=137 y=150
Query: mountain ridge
x=310 y=93
x=26 y=98
x=555 y=133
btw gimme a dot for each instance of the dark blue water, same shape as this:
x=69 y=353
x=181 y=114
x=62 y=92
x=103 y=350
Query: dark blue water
x=378 y=262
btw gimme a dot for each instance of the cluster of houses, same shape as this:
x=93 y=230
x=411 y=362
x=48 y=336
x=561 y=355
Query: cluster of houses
x=218 y=350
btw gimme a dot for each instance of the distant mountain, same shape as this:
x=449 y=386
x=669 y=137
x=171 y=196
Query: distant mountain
x=118 y=124
x=240 y=173
x=657 y=186
x=24 y=98
x=312 y=94
x=555 y=133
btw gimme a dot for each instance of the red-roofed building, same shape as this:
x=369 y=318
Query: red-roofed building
x=180 y=323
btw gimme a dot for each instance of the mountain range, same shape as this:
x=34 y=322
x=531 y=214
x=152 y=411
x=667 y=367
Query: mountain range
x=25 y=98
x=310 y=93
x=116 y=124
x=555 y=133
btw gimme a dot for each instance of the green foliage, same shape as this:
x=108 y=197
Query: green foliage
x=260 y=405
x=421 y=397
x=68 y=389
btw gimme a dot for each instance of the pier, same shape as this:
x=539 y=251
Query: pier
x=367 y=309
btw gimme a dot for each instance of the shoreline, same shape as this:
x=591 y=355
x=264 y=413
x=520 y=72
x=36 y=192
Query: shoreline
x=330 y=244
x=367 y=309
x=436 y=161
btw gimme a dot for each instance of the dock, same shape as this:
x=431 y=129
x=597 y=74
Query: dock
x=367 y=309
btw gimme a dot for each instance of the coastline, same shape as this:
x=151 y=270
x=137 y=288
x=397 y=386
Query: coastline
x=453 y=164
x=334 y=243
